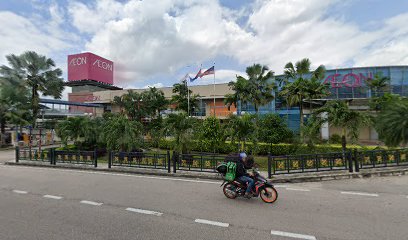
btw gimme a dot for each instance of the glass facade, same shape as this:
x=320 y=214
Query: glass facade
x=347 y=83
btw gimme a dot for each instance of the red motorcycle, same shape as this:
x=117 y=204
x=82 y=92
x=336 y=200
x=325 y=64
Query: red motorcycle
x=262 y=188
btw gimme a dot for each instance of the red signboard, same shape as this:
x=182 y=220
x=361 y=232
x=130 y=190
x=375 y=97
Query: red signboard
x=88 y=66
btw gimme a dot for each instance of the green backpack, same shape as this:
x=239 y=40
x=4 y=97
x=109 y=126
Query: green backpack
x=231 y=171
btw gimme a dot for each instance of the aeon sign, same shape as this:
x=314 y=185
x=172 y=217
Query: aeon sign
x=88 y=66
x=350 y=80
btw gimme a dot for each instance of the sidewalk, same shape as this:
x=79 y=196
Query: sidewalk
x=284 y=178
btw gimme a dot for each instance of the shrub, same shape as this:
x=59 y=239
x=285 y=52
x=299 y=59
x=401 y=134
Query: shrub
x=335 y=139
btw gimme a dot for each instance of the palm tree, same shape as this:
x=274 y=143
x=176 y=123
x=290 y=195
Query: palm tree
x=242 y=128
x=303 y=87
x=154 y=102
x=392 y=123
x=378 y=84
x=256 y=89
x=122 y=134
x=75 y=129
x=181 y=127
x=39 y=75
x=260 y=87
x=241 y=94
x=339 y=115
x=182 y=95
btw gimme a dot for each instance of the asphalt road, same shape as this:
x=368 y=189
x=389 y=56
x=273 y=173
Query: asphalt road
x=38 y=203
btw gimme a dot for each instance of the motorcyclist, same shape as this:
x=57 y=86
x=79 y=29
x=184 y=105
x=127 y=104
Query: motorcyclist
x=243 y=164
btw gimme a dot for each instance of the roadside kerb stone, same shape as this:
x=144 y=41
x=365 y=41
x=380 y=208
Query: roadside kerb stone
x=288 y=178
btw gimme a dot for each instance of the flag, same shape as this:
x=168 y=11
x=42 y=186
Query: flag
x=185 y=77
x=208 y=71
x=197 y=76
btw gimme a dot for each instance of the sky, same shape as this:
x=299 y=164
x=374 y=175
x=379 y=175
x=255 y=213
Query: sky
x=156 y=43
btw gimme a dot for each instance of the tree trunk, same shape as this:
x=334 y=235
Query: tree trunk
x=301 y=122
x=34 y=105
x=343 y=143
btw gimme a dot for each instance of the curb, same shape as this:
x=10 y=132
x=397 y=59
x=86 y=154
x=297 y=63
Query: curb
x=138 y=171
x=212 y=176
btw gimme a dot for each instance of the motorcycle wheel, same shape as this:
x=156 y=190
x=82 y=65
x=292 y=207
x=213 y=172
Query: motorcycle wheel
x=268 y=194
x=229 y=191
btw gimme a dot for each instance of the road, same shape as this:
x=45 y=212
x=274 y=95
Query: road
x=37 y=203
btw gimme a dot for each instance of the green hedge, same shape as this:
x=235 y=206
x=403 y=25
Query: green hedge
x=262 y=148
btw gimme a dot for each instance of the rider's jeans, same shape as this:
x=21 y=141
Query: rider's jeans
x=250 y=182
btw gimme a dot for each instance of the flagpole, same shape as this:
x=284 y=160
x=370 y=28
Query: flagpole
x=214 y=89
x=188 y=99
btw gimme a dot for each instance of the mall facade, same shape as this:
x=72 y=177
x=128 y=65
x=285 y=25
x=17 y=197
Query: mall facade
x=91 y=79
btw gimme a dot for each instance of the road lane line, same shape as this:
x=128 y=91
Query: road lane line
x=280 y=186
x=293 y=235
x=298 y=189
x=361 y=194
x=52 y=197
x=136 y=210
x=91 y=203
x=219 y=224
x=20 y=192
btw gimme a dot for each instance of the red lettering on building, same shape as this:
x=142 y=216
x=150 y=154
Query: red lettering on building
x=350 y=80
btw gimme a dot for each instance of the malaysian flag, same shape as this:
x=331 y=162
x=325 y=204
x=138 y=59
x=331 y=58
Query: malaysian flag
x=208 y=71
x=197 y=76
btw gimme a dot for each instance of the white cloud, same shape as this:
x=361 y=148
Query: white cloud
x=150 y=40
x=19 y=34
x=156 y=85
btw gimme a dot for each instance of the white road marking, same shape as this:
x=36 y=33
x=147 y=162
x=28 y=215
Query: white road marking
x=20 y=192
x=91 y=203
x=140 y=175
x=361 y=194
x=53 y=197
x=219 y=224
x=136 y=210
x=293 y=235
x=298 y=189
x=280 y=186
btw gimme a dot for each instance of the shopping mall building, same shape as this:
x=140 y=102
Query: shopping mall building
x=91 y=79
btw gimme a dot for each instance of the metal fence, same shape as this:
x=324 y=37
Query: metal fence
x=382 y=158
x=351 y=161
x=140 y=160
x=33 y=155
x=308 y=163
x=76 y=157
x=199 y=162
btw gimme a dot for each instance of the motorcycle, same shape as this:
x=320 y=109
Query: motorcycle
x=262 y=188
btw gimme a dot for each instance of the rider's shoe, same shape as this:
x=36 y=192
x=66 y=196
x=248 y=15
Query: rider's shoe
x=247 y=195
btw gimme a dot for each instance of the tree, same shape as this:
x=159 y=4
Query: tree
x=305 y=85
x=339 y=115
x=181 y=127
x=392 y=123
x=13 y=105
x=257 y=89
x=122 y=134
x=154 y=102
x=241 y=94
x=38 y=73
x=181 y=97
x=75 y=129
x=211 y=133
x=242 y=128
x=273 y=129
x=378 y=84
x=132 y=105
x=261 y=89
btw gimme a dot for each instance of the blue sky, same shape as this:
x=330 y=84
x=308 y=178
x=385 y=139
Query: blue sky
x=158 y=42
